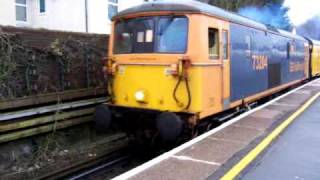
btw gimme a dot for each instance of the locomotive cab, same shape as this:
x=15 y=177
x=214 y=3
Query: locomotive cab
x=150 y=69
x=160 y=61
x=184 y=61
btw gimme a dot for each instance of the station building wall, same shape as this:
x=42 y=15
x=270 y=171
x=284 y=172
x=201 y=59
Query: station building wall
x=91 y=16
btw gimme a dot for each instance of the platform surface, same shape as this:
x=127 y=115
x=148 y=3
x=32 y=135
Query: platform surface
x=213 y=154
x=295 y=154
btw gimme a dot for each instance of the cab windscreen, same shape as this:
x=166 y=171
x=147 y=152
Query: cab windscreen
x=156 y=34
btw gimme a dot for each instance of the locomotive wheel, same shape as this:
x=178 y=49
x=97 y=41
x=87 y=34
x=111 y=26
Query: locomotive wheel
x=169 y=126
x=102 y=117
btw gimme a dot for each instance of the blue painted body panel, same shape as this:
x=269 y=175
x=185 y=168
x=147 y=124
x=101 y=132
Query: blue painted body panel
x=245 y=79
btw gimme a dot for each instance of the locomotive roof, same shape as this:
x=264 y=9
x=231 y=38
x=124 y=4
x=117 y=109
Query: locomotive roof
x=315 y=42
x=191 y=6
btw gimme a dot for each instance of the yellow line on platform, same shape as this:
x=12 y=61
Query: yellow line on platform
x=244 y=162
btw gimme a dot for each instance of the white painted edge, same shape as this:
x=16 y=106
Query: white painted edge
x=186 y=158
x=176 y=150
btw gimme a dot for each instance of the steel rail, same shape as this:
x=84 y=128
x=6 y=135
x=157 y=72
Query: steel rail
x=99 y=168
x=121 y=146
x=69 y=95
x=55 y=117
x=50 y=108
x=43 y=129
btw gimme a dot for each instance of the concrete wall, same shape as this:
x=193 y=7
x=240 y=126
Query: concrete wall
x=66 y=15
x=7 y=12
x=98 y=20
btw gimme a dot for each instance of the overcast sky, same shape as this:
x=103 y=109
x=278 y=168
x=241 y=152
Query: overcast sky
x=302 y=10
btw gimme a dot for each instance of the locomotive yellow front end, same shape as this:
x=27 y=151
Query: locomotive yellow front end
x=150 y=69
x=150 y=66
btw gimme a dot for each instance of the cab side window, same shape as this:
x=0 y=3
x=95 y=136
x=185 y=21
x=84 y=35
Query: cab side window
x=213 y=43
x=225 y=39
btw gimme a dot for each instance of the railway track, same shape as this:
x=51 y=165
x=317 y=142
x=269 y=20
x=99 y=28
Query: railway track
x=106 y=166
x=36 y=100
x=110 y=148
x=51 y=108
x=116 y=165
x=118 y=152
x=32 y=121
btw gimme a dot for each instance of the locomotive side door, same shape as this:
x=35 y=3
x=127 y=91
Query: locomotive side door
x=225 y=52
x=307 y=62
x=219 y=48
x=213 y=62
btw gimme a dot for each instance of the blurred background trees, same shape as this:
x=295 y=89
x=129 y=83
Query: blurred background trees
x=235 y=5
x=310 y=28
x=270 y=12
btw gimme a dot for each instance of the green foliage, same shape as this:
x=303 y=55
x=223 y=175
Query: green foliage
x=67 y=64
x=235 y=5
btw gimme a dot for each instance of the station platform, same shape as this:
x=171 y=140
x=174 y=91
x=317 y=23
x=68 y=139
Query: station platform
x=295 y=154
x=258 y=144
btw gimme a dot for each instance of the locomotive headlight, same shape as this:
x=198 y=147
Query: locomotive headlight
x=140 y=96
